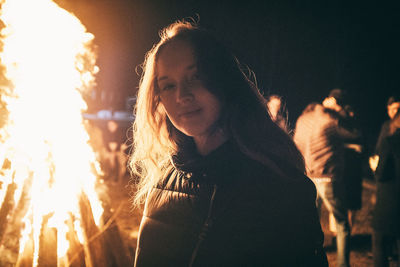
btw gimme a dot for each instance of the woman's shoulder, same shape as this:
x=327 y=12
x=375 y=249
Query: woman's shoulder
x=269 y=178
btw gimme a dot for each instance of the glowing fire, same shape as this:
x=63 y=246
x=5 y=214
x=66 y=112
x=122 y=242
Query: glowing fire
x=46 y=56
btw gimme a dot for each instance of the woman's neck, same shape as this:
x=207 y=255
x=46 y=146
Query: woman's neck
x=208 y=143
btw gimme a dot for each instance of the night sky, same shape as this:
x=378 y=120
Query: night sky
x=297 y=49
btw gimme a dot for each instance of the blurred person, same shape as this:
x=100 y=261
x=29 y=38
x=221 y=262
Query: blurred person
x=277 y=111
x=274 y=105
x=355 y=161
x=393 y=106
x=115 y=159
x=386 y=215
x=321 y=137
x=224 y=185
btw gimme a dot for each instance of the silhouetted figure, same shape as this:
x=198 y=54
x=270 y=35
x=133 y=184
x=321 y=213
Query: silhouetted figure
x=386 y=216
x=108 y=130
x=355 y=161
x=224 y=185
x=393 y=106
x=320 y=136
x=114 y=138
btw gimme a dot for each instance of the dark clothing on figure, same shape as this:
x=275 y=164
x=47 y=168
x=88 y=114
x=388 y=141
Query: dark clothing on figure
x=382 y=248
x=225 y=209
x=353 y=173
x=355 y=161
x=385 y=128
x=387 y=208
x=386 y=216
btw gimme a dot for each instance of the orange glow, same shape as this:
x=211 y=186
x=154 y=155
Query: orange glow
x=47 y=55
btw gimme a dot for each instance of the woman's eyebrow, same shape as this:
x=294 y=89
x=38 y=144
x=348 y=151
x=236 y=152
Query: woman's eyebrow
x=162 y=78
x=165 y=77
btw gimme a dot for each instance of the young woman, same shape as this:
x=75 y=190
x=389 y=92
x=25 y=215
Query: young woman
x=224 y=185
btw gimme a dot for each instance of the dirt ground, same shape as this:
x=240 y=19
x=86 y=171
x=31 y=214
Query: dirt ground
x=128 y=220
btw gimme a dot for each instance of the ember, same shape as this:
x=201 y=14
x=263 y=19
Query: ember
x=50 y=213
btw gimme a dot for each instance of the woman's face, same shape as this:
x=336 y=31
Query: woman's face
x=189 y=105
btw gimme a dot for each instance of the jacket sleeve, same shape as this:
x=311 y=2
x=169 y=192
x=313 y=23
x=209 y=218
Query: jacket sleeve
x=386 y=165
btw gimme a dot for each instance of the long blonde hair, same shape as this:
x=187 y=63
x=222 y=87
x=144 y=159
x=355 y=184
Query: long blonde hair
x=244 y=114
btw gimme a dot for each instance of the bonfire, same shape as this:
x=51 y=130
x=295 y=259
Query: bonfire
x=51 y=209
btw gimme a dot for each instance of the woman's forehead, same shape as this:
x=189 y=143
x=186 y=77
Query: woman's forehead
x=177 y=55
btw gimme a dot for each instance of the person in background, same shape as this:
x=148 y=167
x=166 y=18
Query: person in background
x=115 y=159
x=355 y=161
x=320 y=136
x=393 y=106
x=278 y=111
x=386 y=215
x=223 y=185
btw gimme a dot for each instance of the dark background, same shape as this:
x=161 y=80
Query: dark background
x=297 y=49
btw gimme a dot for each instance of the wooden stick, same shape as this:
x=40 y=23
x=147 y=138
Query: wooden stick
x=95 y=254
x=25 y=259
x=6 y=208
x=75 y=254
x=9 y=250
x=47 y=244
x=113 y=240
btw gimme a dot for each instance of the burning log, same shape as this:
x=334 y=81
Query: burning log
x=9 y=249
x=113 y=240
x=75 y=254
x=95 y=254
x=8 y=202
x=6 y=208
x=47 y=244
x=107 y=238
x=25 y=259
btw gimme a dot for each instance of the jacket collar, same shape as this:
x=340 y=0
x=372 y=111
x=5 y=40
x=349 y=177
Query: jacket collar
x=222 y=160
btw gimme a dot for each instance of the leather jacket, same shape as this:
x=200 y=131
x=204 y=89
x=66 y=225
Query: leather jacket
x=225 y=209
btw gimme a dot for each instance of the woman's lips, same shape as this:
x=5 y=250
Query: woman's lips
x=189 y=114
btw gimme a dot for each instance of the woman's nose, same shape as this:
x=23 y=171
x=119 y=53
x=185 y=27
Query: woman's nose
x=184 y=93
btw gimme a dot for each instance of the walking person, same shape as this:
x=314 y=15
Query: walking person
x=224 y=185
x=320 y=136
x=355 y=162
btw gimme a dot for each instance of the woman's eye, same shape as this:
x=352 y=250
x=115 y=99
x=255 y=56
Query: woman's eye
x=167 y=87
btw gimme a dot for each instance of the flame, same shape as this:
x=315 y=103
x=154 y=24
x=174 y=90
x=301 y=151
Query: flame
x=48 y=58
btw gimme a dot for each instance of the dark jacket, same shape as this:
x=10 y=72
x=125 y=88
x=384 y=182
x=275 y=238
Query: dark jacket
x=225 y=209
x=384 y=132
x=386 y=216
x=355 y=160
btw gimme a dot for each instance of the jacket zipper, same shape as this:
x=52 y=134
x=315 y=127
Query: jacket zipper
x=204 y=229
